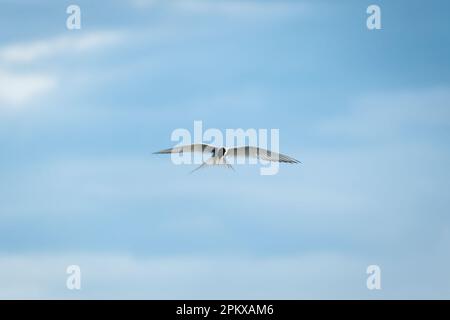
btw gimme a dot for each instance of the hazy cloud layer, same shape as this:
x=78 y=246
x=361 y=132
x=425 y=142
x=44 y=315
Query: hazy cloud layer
x=366 y=112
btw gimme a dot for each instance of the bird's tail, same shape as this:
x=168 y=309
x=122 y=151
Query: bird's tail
x=200 y=167
x=229 y=166
x=214 y=162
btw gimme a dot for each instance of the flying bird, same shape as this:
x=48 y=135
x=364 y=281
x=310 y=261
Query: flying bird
x=219 y=154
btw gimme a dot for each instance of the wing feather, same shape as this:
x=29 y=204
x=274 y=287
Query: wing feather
x=196 y=147
x=260 y=153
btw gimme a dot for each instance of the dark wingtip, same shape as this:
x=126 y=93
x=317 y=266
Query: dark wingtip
x=165 y=151
x=292 y=161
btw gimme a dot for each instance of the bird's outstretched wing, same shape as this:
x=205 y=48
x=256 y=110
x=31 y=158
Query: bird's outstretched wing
x=260 y=153
x=196 y=147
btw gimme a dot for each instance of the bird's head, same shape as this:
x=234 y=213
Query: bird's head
x=218 y=152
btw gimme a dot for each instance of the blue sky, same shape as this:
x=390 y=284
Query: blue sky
x=367 y=112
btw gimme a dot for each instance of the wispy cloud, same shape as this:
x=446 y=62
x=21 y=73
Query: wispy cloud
x=321 y=275
x=390 y=114
x=20 y=87
x=17 y=88
x=178 y=277
x=26 y=52
x=227 y=8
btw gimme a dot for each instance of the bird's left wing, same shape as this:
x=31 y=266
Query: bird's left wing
x=196 y=147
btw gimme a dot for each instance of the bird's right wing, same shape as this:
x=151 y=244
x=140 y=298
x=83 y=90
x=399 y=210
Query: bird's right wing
x=196 y=147
x=260 y=153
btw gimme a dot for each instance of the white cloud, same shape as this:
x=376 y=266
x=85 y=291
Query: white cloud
x=16 y=88
x=311 y=276
x=177 y=277
x=31 y=51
